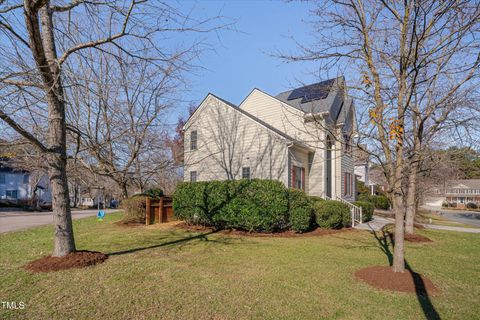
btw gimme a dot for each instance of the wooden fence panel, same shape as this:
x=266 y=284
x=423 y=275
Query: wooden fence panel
x=159 y=210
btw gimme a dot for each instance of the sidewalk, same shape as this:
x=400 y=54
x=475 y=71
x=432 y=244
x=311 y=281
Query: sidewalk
x=378 y=223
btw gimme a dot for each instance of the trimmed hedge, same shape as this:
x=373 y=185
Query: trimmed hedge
x=134 y=209
x=252 y=205
x=380 y=202
x=332 y=214
x=367 y=209
x=255 y=205
x=301 y=211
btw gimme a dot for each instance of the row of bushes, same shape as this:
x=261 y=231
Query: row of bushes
x=469 y=205
x=378 y=201
x=255 y=205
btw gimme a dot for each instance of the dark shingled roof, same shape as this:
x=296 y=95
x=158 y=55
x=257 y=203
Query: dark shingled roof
x=310 y=98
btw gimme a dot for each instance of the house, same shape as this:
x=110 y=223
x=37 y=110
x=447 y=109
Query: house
x=361 y=164
x=301 y=137
x=461 y=193
x=14 y=184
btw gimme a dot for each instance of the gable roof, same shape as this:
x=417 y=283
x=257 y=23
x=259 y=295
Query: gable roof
x=310 y=98
x=251 y=117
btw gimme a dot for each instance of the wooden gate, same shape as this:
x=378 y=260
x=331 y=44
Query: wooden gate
x=159 y=210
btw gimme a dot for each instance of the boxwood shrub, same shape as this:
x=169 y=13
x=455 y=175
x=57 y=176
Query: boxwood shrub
x=252 y=205
x=301 y=211
x=332 y=214
x=367 y=209
x=380 y=202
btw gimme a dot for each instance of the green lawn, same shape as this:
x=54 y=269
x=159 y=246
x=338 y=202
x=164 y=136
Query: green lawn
x=189 y=276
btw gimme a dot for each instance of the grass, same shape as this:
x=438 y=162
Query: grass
x=186 y=275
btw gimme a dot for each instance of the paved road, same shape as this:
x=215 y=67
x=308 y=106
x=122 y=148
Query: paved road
x=20 y=220
x=463 y=216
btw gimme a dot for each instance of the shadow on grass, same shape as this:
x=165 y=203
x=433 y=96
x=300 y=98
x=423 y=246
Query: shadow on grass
x=423 y=298
x=202 y=236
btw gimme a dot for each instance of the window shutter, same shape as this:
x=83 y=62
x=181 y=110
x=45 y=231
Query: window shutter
x=344 y=184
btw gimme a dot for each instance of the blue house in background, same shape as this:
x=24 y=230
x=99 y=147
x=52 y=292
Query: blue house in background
x=14 y=185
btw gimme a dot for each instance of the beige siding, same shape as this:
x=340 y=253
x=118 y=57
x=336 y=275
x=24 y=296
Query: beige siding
x=229 y=141
x=275 y=113
x=291 y=121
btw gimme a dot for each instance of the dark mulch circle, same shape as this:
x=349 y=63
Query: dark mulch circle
x=384 y=278
x=79 y=259
x=284 y=234
x=416 y=238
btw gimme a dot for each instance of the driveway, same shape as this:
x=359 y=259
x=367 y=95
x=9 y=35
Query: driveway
x=20 y=220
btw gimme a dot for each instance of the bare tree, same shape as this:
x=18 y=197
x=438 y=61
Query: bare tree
x=412 y=59
x=117 y=116
x=39 y=37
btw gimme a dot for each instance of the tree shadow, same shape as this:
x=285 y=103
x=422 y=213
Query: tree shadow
x=423 y=298
x=202 y=236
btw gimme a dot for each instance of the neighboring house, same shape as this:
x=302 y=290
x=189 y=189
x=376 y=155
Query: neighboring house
x=300 y=137
x=14 y=185
x=461 y=192
x=362 y=164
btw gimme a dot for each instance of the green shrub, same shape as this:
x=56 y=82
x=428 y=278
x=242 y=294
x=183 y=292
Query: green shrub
x=134 y=209
x=367 y=209
x=445 y=204
x=154 y=193
x=472 y=205
x=192 y=204
x=314 y=199
x=252 y=205
x=332 y=214
x=380 y=202
x=301 y=211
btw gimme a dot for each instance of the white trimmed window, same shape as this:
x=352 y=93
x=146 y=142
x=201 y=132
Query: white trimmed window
x=298 y=177
x=193 y=140
x=11 y=194
x=193 y=176
x=246 y=173
x=347 y=184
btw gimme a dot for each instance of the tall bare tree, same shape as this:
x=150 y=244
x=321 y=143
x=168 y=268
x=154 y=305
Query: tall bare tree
x=39 y=37
x=409 y=61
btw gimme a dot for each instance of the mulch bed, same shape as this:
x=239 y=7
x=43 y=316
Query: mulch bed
x=384 y=278
x=416 y=238
x=79 y=259
x=285 y=234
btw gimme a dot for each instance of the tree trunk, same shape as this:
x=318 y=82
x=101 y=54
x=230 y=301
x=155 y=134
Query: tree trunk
x=398 y=249
x=42 y=45
x=411 y=200
x=124 y=188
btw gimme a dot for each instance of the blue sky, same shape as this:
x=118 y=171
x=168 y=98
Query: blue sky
x=242 y=60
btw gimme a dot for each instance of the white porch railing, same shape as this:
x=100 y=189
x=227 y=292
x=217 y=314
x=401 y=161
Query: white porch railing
x=356 y=211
